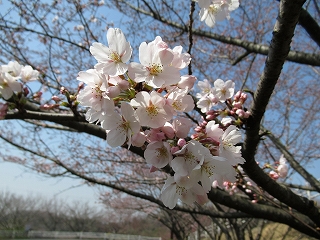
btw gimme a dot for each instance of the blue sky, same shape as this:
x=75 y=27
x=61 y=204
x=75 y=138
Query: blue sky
x=16 y=179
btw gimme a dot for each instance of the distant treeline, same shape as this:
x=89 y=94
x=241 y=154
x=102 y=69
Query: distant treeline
x=36 y=213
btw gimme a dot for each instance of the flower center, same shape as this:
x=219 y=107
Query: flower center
x=223 y=91
x=208 y=169
x=155 y=69
x=162 y=152
x=152 y=111
x=97 y=92
x=181 y=190
x=213 y=9
x=4 y=84
x=115 y=57
x=177 y=105
x=189 y=156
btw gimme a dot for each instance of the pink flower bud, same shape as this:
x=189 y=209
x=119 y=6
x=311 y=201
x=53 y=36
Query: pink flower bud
x=273 y=175
x=198 y=129
x=37 y=96
x=63 y=90
x=55 y=98
x=25 y=91
x=211 y=112
x=240 y=113
x=174 y=149
x=237 y=105
x=210 y=117
x=181 y=142
x=155 y=135
x=49 y=106
x=203 y=124
x=193 y=136
x=237 y=96
x=182 y=126
x=3 y=110
x=215 y=184
x=247 y=114
x=168 y=130
x=243 y=97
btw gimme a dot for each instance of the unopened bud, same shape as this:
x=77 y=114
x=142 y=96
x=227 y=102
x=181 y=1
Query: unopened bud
x=25 y=91
x=80 y=86
x=181 y=142
x=37 y=96
x=237 y=105
x=56 y=98
x=48 y=106
x=237 y=96
x=174 y=149
x=63 y=90
x=240 y=113
x=3 y=110
x=210 y=117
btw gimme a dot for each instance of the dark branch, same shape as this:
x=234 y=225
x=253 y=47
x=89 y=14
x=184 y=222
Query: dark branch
x=279 y=49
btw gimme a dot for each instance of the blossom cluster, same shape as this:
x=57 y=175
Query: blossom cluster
x=142 y=104
x=216 y=10
x=13 y=76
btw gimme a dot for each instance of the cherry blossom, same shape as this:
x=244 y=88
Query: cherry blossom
x=205 y=88
x=120 y=128
x=28 y=74
x=13 y=68
x=211 y=167
x=138 y=139
x=8 y=85
x=151 y=109
x=228 y=148
x=179 y=101
x=155 y=67
x=158 y=154
x=183 y=188
x=112 y=60
x=188 y=158
x=207 y=102
x=93 y=95
x=223 y=90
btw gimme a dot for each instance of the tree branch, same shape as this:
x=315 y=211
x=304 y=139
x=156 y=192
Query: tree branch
x=310 y=25
x=278 y=52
